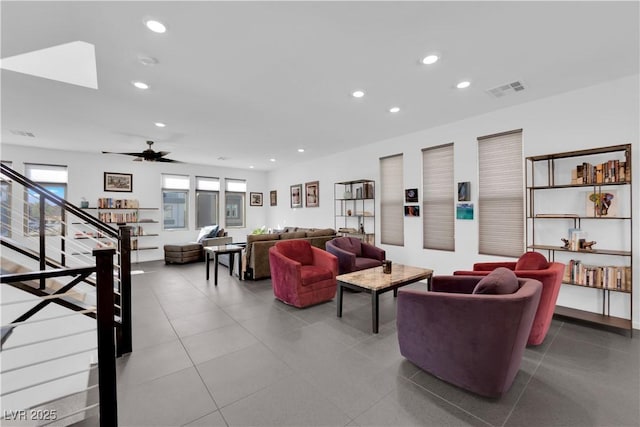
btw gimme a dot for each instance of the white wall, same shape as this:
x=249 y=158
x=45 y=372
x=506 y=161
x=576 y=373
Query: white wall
x=86 y=173
x=602 y=115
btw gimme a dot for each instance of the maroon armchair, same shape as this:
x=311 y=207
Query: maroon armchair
x=472 y=340
x=353 y=254
x=301 y=274
x=532 y=265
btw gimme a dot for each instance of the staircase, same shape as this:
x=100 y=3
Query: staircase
x=62 y=299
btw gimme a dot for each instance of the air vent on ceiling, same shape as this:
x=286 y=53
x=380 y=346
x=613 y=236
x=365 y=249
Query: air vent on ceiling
x=223 y=158
x=23 y=133
x=506 y=89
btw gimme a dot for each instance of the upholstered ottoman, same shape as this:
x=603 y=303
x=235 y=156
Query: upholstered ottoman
x=183 y=253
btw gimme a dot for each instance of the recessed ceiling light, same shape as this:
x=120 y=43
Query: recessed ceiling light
x=155 y=26
x=394 y=109
x=141 y=85
x=148 y=61
x=251 y=167
x=160 y=124
x=300 y=150
x=463 y=85
x=357 y=94
x=430 y=59
x=272 y=160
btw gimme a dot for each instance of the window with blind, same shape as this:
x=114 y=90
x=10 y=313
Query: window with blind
x=235 y=202
x=207 y=196
x=53 y=178
x=438 y=198
x=391 y=200
x=5 y=207
x=175 y=201
x=500 y=194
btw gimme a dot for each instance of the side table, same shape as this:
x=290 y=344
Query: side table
x=216 y=251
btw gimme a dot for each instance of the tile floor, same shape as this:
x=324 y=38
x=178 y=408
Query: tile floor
x=232 y=355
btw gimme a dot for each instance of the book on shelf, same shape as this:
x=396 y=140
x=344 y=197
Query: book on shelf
x=111 y=203
x=611 y=171
x=598 y=276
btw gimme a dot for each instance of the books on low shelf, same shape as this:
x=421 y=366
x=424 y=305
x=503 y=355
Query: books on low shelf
x=597 y=276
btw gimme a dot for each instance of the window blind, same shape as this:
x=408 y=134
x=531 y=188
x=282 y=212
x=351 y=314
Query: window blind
x=207 y=184
x=500 y=194
x=391 y=200
x=175 y=182
x=237 y=185
x=46 y=173
x=438 y=198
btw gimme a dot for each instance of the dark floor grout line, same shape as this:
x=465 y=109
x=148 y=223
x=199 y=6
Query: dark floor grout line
x=513 y=408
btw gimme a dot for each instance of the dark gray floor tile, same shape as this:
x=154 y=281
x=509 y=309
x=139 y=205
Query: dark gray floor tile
x=177 y=309
x=249 y=309
x=274 y=323
x=152 y=362
x=617 y=340
x=290 y=402
x=172 y=400
x=384 y=349
x=152 y=330
x=315 y=313
x=201 y=322
x=350 y=381
x=216 y=343
x=213 y=419
x=410 y=405
x=237 y=375
x=343 y=332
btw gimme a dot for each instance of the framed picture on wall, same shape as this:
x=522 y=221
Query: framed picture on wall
x=312 y=194
x=464 y=191
x=120 y=182
x=296 y=196
x=255 y=199
x=273 y=198
x=411 y=195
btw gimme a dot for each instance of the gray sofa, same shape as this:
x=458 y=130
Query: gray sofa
x=257 y=250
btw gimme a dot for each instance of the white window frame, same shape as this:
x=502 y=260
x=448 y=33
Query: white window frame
x=179 y=184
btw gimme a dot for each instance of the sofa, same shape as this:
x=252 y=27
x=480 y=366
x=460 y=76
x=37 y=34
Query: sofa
x=257 y=250
x=184 y=253
x=469 y=331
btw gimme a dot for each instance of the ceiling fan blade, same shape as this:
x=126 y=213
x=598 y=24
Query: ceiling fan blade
x=161 y=159
x=138 y=159
x=126 y=154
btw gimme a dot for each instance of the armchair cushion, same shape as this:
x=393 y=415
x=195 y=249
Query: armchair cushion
x=311 y=274
x=298 y=250
x=354 y=254
x=500 y=281
x=532 y=261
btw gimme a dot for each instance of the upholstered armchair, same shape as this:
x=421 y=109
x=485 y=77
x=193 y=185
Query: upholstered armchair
x=301 y=274
x=353 y=254
x=532 y=265
x=472 y=340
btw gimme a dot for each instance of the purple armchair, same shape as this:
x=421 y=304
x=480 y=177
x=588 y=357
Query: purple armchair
x=474 y=341
x=353 y=254
x=301 y=274
x=532 y=265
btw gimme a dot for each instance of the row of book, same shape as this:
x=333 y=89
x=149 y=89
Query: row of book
x=109 y=203
x=118 y=217
x=598 y=276
x=610 y=171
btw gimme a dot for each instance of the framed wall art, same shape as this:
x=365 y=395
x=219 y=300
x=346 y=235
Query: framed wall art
x=296 y=196
x=118 y=182
x=312 y=194
x=273 y=198
x=411 y=195
x=255 y=199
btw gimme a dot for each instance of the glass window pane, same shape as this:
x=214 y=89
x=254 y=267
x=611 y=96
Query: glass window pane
x=234 y=209
x=174 y=209
x=206 y=208
x=46 y=173
x=53 y=218
x=5 y=211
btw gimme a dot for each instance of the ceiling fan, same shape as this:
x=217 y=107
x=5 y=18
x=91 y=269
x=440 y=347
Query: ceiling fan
x=148 y=155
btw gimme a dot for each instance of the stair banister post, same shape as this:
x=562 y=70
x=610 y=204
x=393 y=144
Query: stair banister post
x=107 y=390
x=124 y=334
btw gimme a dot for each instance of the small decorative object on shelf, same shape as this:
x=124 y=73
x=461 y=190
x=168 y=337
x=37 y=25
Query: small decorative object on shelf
x=566 y=243
x=588 y=245
x=84 y=203
x=354 y=209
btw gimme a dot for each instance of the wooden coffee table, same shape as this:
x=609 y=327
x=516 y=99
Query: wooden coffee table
x=232 y=250
x=375 y=282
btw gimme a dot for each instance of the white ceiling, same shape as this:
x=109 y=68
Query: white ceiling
x=253 y=80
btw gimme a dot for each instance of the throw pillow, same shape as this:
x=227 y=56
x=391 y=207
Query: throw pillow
x=532 y=261
x=500 y=281
x=221 y=233
x=205 y=231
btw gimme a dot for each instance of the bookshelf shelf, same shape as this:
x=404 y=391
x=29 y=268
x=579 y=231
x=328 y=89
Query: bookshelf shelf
x=354 y=209
x=593 y=189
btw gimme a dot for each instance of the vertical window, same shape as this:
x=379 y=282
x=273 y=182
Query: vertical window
x=175 y=200
x=500 y=194
x=391 y=200
x=234 y=202
x=437 y=198
x=53 y=178
x=207 y=196
x=5 y=207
